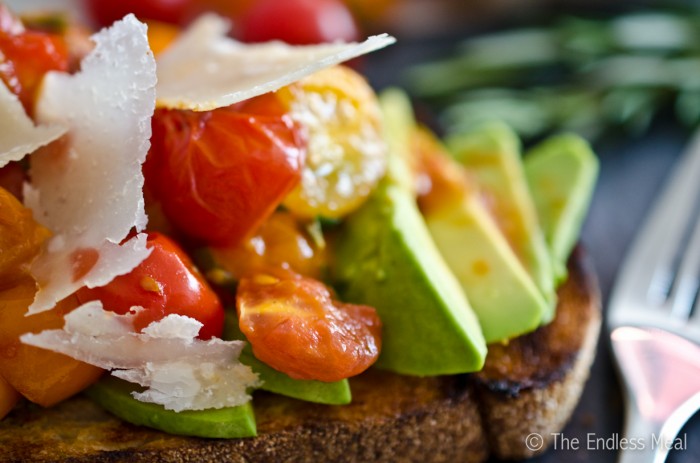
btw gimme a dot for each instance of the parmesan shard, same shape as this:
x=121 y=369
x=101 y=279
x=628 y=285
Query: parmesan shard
x=88 y=187
x=179 y=371
x=205 y=70
x=18 y=134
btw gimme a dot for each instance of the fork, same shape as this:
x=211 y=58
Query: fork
x=654 y=318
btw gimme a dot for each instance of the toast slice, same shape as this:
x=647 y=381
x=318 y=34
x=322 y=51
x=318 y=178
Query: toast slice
x=530 y=385
x=533 y=384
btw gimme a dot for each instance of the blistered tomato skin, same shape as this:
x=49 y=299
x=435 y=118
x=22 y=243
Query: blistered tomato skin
x=26 y=56
x=42 y=376
x=165 y=283
x=219 y=174
x=295 y=326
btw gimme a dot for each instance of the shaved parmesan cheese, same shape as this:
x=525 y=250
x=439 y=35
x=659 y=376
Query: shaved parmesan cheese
x=179 y=371
x=88 y=189
x=205 y=70
x=18 y=134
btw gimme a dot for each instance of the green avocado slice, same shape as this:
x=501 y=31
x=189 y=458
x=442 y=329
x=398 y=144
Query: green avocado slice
x=336 y=393
x=386 y=258
x=561 y=173
x=504 y=297
x=502 y=293
x=491 y=153
x=114 y=395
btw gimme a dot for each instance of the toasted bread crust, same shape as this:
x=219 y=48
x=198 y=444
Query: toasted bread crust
x=392 y=418
x=533 y=384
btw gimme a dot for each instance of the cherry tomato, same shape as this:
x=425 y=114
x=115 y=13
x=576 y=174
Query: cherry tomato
x=25 y=56
x=21 y=237
x=232 y=9
x=440 y=180
x=347 y=152
x=298 y=22
x=166 y=282
x=12 y=178
x=42 y=376
x=281 y=244
x=8 y=397
x=161 y=36
x=295 y=326
x=219 y=174
x=105 y=12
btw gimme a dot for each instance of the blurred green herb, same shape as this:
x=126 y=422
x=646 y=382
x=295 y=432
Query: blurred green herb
x=582 y=75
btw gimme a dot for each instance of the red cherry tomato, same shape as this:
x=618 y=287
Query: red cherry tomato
x=299 y=22
x=295 y=326
x=12 y=178
x=25 y=56
x=218 y=175
x=105 y=12
x=166 y=282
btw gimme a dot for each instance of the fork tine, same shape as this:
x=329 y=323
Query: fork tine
x=686 y=287
x=651 y=258
x=659 y=319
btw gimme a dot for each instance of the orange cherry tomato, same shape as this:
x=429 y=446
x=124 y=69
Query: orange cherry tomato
x=40 y=375
x=161 y=35
x=294 y=325
x=25 y=56
x=440 y=180
x=280 y=244
x=167 y=282
x=21 y=237
x=8 y=397
x=219 y=174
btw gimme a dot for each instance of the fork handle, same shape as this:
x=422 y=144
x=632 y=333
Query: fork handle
x=665 y=432
x=639 y=433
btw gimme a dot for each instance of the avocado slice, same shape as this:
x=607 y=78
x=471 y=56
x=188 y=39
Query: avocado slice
x=336 y=393
x=491 y=154
x=502 y=293
x=399 y=124
x=114 y=395
x=561 y=173
x=386 y=258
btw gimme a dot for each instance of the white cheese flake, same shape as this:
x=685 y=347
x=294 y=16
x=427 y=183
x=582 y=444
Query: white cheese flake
x=179 y=371
x=18 y=134
x=204 y=69
x=88 y=188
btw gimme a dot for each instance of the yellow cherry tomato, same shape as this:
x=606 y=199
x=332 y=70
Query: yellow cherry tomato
x=346 y=154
